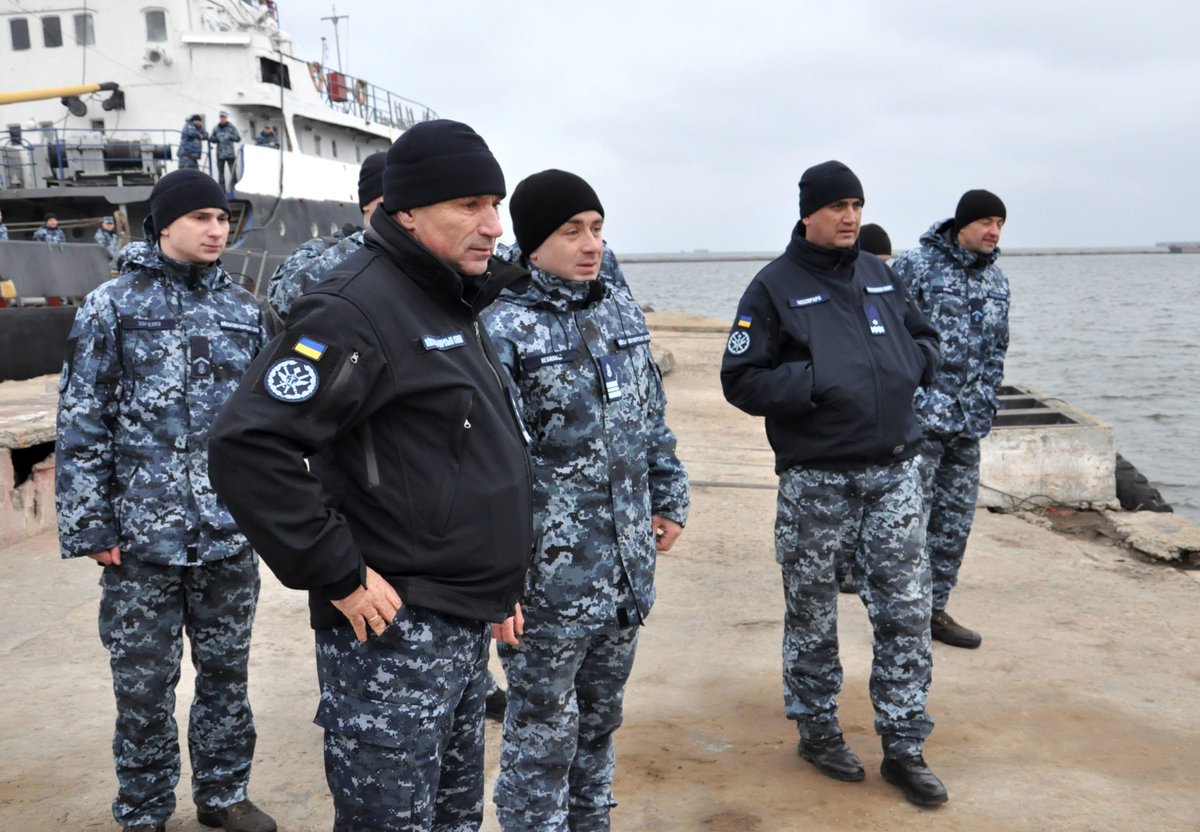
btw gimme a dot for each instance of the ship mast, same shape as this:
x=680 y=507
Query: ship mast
x=336 y=18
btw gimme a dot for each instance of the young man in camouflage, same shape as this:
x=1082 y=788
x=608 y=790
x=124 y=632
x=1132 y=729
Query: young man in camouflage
x=953 y=278
x=827 y=347
x=106 y=235
x=151 y=359
x=309 y=263
x=375 y=457
x=608 y=492
x=190 y=147
x=50 y=232
x=226 y=136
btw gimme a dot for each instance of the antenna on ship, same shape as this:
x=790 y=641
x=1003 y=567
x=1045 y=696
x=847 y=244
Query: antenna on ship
x=336 y=18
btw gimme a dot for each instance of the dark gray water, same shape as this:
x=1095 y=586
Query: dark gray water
x=1115 y=335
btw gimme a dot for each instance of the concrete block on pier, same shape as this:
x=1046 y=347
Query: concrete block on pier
x=1043 y=451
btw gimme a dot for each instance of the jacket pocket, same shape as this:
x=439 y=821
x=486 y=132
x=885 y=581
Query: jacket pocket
x=460 y=435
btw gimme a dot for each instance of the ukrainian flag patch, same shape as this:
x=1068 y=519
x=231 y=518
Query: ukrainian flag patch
x=744 y=321
x=309 y=348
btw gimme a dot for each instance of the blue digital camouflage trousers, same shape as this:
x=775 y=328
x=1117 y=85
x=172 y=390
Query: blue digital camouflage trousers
x=950 y=482
x=403 y=720
x=876 y=515
x=565 y=700
x=144 y=610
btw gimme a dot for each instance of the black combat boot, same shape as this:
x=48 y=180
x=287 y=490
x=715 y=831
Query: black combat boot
x=240 y=817
x=833 y=758
x=921 y=786
x=948 y=631
x=145 y=827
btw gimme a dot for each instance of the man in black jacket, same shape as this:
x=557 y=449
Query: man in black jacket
x=413 y=529
x=829 y=349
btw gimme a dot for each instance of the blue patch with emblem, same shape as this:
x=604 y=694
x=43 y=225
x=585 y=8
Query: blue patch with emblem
x=874 y=321
x=292 y=380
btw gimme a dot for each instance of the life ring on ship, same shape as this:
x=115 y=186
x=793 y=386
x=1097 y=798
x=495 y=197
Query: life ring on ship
x=318 y=78
x=361 y=89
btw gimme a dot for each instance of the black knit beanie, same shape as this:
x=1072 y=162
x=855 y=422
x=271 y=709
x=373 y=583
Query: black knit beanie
x=434 y=161
x=370 y=178
x=544 y=201
x=975 y=205
x=180 y=192
x=874 y=240
x=825 y=183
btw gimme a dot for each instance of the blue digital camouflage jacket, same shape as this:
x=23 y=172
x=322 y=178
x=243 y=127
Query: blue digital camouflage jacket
x=966 y=297
x=225 y=137
x=305 y=266
x=189 y=141
x=49 y=235
x=151 y=358
x=603 y=457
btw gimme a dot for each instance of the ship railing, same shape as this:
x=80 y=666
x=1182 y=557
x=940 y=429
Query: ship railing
x=65 y=157
x=358 y=97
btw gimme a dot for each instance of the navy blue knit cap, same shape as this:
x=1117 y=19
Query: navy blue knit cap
x=370 y=178
x=825 y=183
x=544 y=201
x=434 y=161
x=975 y=205
x=180 y=192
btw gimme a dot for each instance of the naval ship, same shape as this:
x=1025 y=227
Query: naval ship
x=111 y=85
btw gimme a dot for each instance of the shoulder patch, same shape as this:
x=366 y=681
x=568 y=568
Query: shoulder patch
x=739 y=342
x=292 y=380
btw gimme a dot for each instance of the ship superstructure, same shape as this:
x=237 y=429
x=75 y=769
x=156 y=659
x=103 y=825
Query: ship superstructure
x=86 y=156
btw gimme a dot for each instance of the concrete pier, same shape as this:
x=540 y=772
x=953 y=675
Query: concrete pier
x=1079 y=712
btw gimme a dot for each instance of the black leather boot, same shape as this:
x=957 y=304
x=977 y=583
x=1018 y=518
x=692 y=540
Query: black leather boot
x=833 y=758
x=948 y=631
x=921 y=786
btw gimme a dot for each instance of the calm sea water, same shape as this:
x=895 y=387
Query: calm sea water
x=1114 y=334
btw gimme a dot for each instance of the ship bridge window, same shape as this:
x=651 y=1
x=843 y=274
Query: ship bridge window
x=51 y=31
x=85 y=31
x=19 y=28
x=156 y=26
x=275 y=73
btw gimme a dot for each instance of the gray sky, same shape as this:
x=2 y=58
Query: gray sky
x=694 y=120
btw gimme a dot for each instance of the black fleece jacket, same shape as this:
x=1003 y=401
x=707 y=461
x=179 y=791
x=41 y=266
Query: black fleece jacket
x=385 y=381
x=827 y=346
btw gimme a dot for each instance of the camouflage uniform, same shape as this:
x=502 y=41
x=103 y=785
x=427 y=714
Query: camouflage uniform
x=836 y=388
x=402 y=715
x=226 y=137
x=305 y=266
x=604 y=462
x=875 y=515
x=149 y=364
x=966 y=297
x=3 y=231
x=50 y=235
x=190 y=148
x=109 y=240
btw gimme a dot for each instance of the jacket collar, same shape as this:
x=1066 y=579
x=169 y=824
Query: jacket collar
x=186 y=275
x=831 y=261
x=432 y=274
x=941 y=236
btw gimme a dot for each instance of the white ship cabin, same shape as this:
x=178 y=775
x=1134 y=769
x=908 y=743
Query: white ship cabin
x=170 y=59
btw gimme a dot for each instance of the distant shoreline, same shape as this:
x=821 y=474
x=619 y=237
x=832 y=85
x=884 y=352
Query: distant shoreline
x=764 y=256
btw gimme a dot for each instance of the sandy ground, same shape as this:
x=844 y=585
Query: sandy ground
x=1080 y=711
